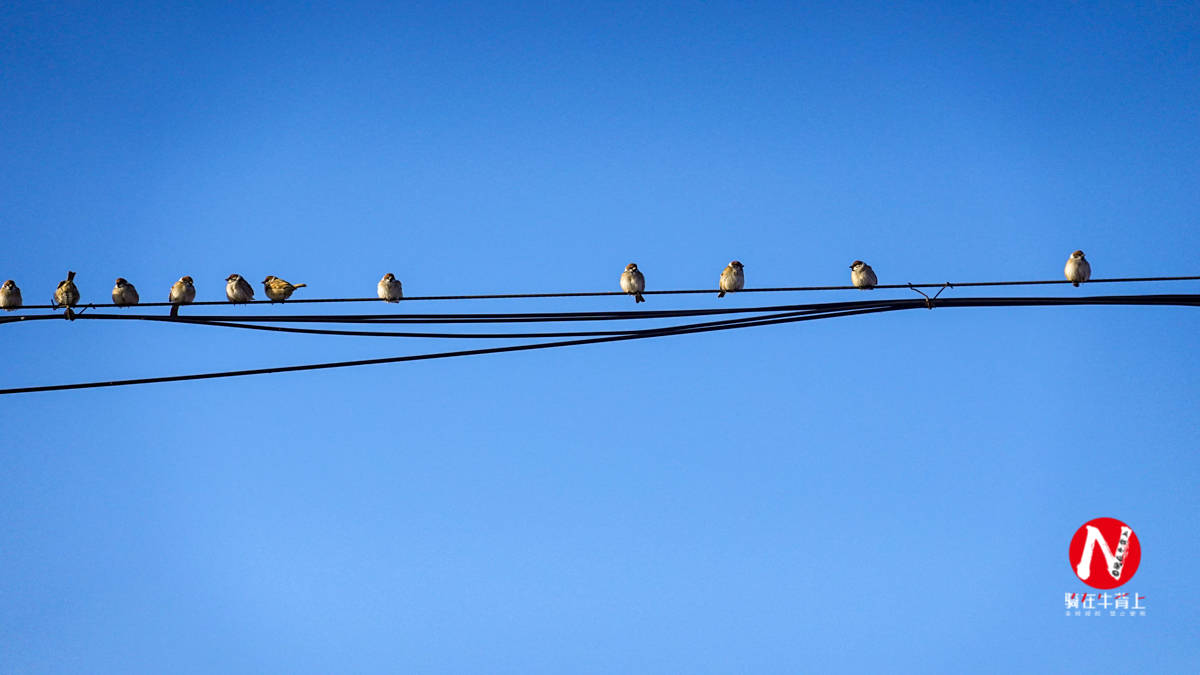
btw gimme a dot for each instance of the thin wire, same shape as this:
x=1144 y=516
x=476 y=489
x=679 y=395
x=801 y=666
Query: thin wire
x=517 y=317
x=548 y=317
x=885 y=306
x=781 y=289
x=524 y=317
x=506 y=336
x=415 y=357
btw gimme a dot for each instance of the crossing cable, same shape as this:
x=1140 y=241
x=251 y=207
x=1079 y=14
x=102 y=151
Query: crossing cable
x=884 y=306
x=425 y=357
x=548 y=317
x=517 y=317
x=507 y=336
x=588 y=294
x=243 y=322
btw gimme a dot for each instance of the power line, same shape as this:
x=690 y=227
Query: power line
x=460 y=318
x=842 y=310
x=414 y=357
x=492 y=317
x=798 y=311
x=549 y=317
x=586 y=294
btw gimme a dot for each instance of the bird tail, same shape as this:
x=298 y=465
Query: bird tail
x=299 y=285
x=70 y=276
x=174 y=310
x=721 y=294
x=638 y=298
x=1076 y=283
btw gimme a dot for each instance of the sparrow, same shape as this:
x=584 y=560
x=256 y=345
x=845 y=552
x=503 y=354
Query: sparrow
x=124 y=294
x=732 y=279
x=10 y=296
x=67 y=295
x=1078 y=270
x=279 y=290
x=237 y=289
x=182 y=293
x=862 y=276
x=389 y=288
x=633 y=282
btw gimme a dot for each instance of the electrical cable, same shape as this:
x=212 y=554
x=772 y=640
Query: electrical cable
x=414 y=357
x=546 y=317
x=540 y=317
x=836 y=310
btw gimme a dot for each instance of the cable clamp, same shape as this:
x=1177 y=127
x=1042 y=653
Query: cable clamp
x=929 y=302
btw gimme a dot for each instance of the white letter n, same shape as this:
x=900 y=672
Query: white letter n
x=1114 y=563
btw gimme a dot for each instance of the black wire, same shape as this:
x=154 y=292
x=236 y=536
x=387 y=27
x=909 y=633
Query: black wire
x=538 y=317
x=424 y=357
x=782 y=289
x=517 y=317
x=546 y=317
x=510 y=336
x=883 y=306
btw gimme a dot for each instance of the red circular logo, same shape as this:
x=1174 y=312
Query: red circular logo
x=1104 y=553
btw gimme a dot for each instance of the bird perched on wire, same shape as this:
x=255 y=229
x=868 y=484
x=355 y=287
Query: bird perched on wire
x=124 y=294
x=237 y=289
x=732 y=279
x=67 y=294
x=10 y=296
x=1078 y=269
x=633 y=282
x=279 y=290
x=389 y=288
x=862 y=276
x=183 y=292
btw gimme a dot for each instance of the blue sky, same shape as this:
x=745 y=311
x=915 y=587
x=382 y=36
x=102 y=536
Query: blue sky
x=882 y=493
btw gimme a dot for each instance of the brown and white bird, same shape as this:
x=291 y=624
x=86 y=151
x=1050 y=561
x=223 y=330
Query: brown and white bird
x=1078 y=269
x=279 y=290
x=633 y=282
x=183 y=292
x=124 y=294
x=237 y=289
x=67 y=295
x=389 y=288
x=10 y=296
x=732 y=279
x=862 y=276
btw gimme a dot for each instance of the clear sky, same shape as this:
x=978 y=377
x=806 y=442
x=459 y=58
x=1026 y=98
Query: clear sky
x=890 y=493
